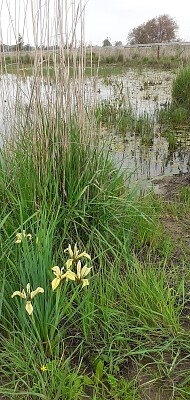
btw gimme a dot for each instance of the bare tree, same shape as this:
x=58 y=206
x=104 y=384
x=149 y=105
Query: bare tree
x=157 y=30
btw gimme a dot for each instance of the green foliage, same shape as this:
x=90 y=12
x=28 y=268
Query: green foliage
x=116 y=114
x=59 y=185
x=174 y=116
x=26 y=380
x=172 y=140
x=106 y=42
x=15 y=62
x=121 y=389
x=118 y=43
x=130 y=309
x=181 y=89
x=177 y=113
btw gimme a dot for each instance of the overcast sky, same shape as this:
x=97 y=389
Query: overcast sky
x=115 y=18
x=103 y=18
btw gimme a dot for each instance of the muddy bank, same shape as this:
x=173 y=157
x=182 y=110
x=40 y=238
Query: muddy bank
x=176 y=214
x=170 y=186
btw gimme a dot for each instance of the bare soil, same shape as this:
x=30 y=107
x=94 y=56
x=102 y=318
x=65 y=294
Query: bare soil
x=177 y=226
x=169 y=186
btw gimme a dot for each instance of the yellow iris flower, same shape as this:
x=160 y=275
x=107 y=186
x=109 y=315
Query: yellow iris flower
x=81 y=273
x=21 y=235
x=74 y=255
x=28 y=295
x=58 y=272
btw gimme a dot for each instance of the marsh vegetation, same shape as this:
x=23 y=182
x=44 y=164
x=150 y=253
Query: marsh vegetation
x=95 y=276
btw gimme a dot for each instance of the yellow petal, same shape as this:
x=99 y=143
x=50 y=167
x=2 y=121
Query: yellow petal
x=29 y=236
x=69 y=250
x=38 y=290
x=18 y=237
x=79 y=270
x=55 y=283
x=28 y=288
x=69 y=263
x=84 y=254
x=43 y=368
x=76 y=252
x=85 y=282
x=21 y=294
x=70 y=275
x=57 y=271
x=85 y=271
x=29 y=307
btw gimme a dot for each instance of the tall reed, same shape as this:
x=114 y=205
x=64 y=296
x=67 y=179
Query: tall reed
x=50 y=103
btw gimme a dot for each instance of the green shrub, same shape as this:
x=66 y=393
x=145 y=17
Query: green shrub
x=7 y=59
x=27 y=59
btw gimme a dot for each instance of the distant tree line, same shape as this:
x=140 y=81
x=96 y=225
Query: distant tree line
x=20 y=46
x=157 y=30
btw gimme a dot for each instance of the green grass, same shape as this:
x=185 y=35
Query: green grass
x=105 y=66
x=128 y=330
x=118 y=116
x=177 y=112
x=180 y=89
x=132 y=310
x=28 y=70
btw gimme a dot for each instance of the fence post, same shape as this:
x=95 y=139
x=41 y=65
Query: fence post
x=158 y=52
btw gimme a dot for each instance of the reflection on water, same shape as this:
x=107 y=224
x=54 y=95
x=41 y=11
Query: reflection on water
x=143 y=162
x=146 y=91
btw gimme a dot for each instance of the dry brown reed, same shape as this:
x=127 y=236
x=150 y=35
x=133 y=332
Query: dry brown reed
x=46 y=106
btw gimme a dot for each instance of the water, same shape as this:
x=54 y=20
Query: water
x=143 y=163
x=146 y=91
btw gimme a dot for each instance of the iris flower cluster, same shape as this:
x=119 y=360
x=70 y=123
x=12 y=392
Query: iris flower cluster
x=79 y=275
x=74 y=260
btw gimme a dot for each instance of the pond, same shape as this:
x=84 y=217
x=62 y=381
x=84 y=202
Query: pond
x=146 y=91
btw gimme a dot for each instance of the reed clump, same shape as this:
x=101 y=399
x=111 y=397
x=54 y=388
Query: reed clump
x=177 y=112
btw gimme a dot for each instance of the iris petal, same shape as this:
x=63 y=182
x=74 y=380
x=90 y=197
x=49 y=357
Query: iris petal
x=85 y=282
x=29 y=307
x=21 y=294
x=55 y=283
x=38 y=290
x=85 y=271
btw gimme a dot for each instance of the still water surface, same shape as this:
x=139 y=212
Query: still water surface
x=146 y=91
